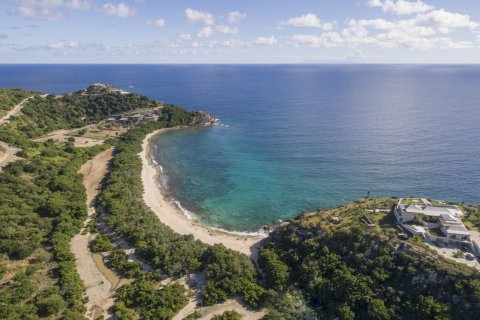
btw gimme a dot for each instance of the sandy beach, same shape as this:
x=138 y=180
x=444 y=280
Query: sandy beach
x=168 y=212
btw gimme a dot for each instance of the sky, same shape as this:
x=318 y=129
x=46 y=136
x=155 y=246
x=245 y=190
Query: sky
x=239 y=31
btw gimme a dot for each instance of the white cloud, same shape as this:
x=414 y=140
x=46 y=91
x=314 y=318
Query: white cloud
x=49 y=9
x=401 y=7
x=184 y=36
x=64 y=45
x=444 y=21
x=421 y=31
x=235 y=16
x=159 y=23
x=226 y=30
x=307 y=20
x=266 y=41
x=120 y=10
x=194 y=16
x=206 y=32
x=418 y=32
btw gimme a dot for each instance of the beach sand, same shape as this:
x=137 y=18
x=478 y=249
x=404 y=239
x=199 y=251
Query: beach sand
x=169 y=214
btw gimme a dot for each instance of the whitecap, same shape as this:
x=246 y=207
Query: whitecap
x=187 y=213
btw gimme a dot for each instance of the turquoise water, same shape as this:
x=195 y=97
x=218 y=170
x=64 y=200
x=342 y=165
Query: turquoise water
x=300 y=137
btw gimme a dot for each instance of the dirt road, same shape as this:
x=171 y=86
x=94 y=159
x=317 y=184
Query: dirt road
x=99 y=288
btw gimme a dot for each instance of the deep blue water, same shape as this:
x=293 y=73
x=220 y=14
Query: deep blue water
x=301 y=137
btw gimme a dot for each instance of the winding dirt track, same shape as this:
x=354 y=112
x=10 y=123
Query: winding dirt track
x=14 y=111
x=98 y=288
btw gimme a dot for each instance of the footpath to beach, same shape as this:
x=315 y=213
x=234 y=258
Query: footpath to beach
x=155 y=198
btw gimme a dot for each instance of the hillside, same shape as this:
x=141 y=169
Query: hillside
x=335 y=265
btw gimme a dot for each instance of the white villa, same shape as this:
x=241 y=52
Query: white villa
x=435 y=223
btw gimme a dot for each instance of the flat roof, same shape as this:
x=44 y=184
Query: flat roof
x=431 y=210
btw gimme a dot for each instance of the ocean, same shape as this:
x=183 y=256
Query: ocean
x=300 y=137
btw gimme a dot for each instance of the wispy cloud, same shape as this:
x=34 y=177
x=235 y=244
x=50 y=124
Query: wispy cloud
x=210 y=31
x=235 y=16
x=64 y=45
x=159 y=23
x=226 y=30
x=120 y=10
x=266 y=41
x=51 y=10
x=206 y=32
x=233 y=43
x=184 y=36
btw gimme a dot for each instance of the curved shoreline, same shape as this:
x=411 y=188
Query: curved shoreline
x=155 y=197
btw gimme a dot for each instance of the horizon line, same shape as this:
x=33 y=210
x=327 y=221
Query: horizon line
x=241 y=63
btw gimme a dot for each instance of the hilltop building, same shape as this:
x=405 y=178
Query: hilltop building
x=442 y=223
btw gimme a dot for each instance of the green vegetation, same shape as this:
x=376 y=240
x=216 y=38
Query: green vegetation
x=229 y=274
x=351 y=271
x=75 y=110
x=9 y=98
x=118 y=261
x=472 y=216
x=227 y=315
x=194 y=315
x=43 y=205
x=149 y=301
x=102 y=243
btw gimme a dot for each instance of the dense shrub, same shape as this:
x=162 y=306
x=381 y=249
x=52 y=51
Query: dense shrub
x=102 y=243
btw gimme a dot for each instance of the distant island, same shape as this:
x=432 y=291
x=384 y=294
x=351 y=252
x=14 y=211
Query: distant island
x=87 y=232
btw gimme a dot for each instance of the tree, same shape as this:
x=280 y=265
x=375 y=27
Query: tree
x=377 y=310
x=49 y=302
x=276 y=272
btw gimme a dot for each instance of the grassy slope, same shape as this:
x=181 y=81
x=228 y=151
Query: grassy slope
x=9 y=98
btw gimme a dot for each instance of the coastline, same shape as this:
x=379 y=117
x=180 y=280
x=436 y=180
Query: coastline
x=170 y=214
